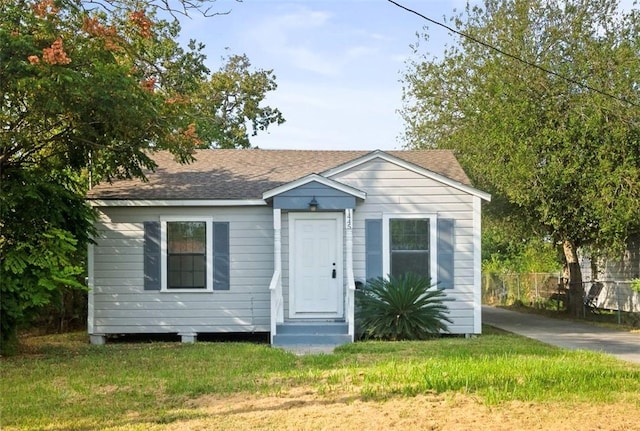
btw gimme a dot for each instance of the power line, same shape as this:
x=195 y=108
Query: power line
x=515 y=57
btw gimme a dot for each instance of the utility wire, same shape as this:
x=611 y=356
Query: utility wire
x=515 y=57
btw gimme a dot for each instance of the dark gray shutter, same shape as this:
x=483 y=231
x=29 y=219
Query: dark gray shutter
x=221 y=267
x=373 y=248
x=446 y=242
x=152 y=253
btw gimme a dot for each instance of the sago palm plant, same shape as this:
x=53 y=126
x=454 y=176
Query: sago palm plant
x=401 y=308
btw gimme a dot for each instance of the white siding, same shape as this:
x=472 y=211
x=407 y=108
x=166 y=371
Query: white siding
x=617 y=275
x=624 y=268
x=618 y=296
x=393 y=189
x=628 y=266
x=121 y=305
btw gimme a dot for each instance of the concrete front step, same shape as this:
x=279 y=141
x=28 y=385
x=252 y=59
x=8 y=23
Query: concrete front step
x=312 y=328
x=301 y=350
x=311 y=334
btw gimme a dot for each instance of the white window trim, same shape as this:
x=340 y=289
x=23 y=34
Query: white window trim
x=433 y=241
x=163 y=252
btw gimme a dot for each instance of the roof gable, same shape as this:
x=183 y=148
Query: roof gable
x=314 y=178
x=409 y=166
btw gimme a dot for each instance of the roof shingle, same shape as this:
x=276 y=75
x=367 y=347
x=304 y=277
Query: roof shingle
x=248 y=173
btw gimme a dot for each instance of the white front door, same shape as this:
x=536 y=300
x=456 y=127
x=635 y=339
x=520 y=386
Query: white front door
x=315 y=278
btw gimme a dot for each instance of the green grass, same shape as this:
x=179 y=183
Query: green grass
x=63 y=383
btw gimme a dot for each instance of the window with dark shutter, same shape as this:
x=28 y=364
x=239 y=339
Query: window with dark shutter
x=446 y=255
x=373 y=248
x=221 y=263
x=187 y=255
x=194 y=256
x=409 y=247
x=152 y=255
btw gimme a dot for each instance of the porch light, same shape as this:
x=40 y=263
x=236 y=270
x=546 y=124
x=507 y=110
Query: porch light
x=313 y=205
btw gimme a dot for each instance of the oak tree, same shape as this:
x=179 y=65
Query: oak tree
x=541 y=101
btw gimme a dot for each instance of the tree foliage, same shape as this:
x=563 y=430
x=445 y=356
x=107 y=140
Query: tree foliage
x=44 y=224
x=503 y=253
x=563 y=159
x=509 y=246
x=91 y=89
x=231 y=103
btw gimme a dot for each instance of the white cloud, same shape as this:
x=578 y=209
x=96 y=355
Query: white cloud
x=286 y=37
x=302 y=18
x=334 y=117
x=312 y=40
x=356 y=52
x=306 y=59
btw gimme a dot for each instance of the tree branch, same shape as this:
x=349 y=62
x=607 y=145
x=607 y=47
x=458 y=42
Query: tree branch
x=175 y=8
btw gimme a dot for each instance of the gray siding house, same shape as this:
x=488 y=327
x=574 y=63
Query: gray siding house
x=275 y=241
x=616 y=276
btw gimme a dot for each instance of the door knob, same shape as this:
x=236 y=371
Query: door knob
x=333 y=272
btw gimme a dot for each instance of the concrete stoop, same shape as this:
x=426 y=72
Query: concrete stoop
x=311 y=337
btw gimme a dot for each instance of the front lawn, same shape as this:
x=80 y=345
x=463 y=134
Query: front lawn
x=60 y=382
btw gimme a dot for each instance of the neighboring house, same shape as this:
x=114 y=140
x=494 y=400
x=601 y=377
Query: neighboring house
x=628 y=266
x=275 y=241
x=616 y=276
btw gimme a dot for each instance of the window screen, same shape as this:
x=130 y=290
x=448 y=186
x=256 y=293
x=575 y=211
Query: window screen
x=187 y=255
x=409 y=246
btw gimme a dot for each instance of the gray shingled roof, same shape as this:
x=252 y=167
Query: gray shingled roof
x=247 y=174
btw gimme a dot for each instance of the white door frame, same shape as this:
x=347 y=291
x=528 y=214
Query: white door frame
x=338 y=217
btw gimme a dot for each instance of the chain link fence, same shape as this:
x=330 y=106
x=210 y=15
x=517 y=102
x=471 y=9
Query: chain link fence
x=547 y=290
x=537 y=289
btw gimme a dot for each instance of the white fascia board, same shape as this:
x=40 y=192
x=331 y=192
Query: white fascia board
x=318 y=178
x=175 y=203
x=353 y=163
x=378 y=154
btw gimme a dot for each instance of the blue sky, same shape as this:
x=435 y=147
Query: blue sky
x=337 y=63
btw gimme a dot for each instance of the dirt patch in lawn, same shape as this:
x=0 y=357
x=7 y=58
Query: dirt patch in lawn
x=302 y=409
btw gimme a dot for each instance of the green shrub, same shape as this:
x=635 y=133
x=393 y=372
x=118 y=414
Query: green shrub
x=401 y=308
x=635 y=284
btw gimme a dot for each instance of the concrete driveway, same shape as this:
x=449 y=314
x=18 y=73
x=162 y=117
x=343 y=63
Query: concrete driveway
x=566 y=334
